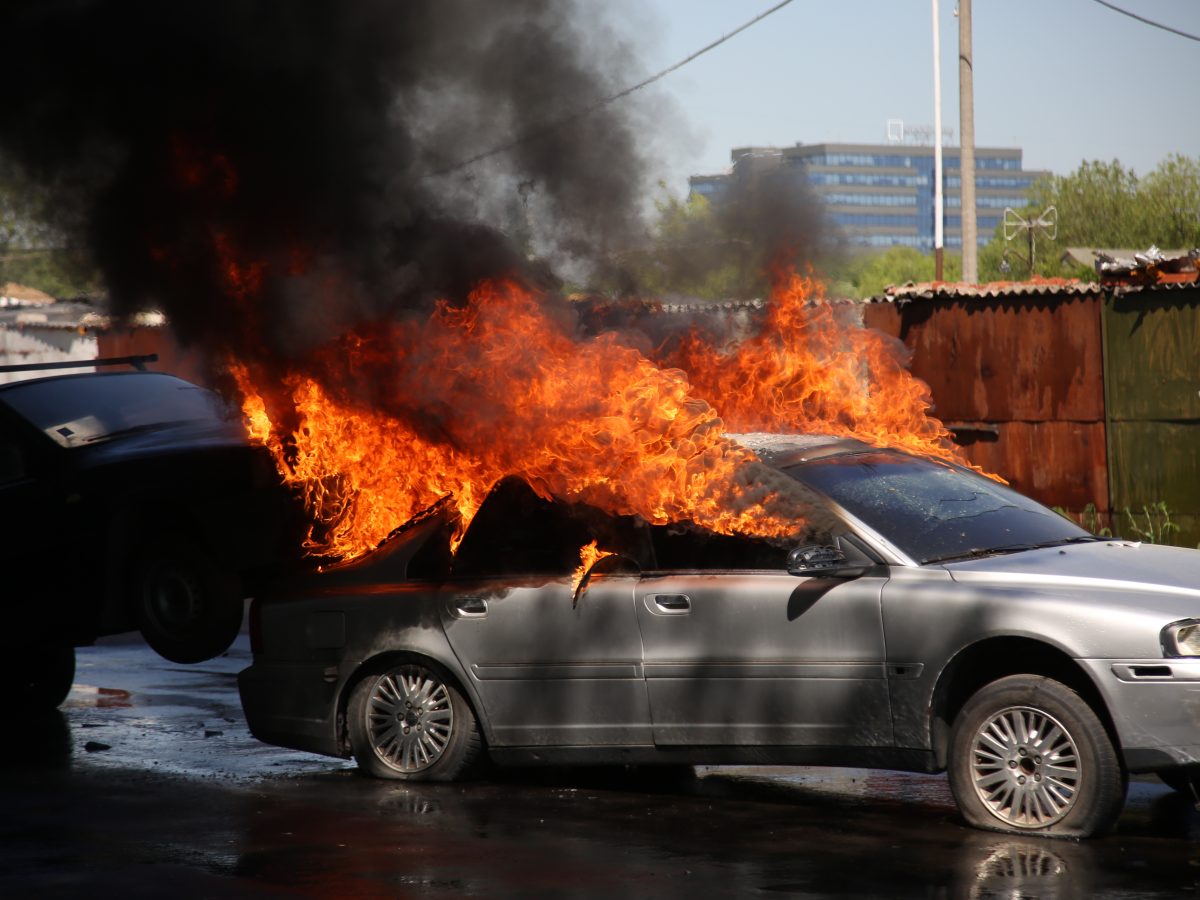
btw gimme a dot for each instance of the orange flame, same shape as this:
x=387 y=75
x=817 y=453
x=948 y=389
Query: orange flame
x=813 y=368
x=498 y=387
x=589 y=555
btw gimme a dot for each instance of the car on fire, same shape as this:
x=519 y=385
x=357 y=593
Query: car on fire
x=131 y=500
x=940 y=622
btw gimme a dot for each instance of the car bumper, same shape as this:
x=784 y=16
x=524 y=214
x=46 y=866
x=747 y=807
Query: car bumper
x=291 y=706
x=1155 y=708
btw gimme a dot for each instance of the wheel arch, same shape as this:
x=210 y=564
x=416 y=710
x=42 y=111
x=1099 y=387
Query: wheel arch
x=379 y=662
x=997 y=657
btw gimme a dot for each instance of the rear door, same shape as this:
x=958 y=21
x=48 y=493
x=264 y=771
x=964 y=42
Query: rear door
x=551 y=669
x=738 y=652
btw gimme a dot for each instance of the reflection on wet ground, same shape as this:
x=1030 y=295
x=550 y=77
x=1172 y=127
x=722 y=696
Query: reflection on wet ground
x=183 y=802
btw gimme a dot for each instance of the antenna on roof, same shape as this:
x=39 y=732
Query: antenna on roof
x=1015 y=223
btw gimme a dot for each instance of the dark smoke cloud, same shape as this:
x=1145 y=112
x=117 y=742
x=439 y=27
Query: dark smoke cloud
x=272 y=172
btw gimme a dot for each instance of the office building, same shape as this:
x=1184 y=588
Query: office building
x=881 y=195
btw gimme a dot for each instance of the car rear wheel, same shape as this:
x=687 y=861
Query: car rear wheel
x=1027 y=754
x=411 y=723
x=189 y=608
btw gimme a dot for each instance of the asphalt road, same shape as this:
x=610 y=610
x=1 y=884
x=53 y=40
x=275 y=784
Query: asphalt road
x=147 y=784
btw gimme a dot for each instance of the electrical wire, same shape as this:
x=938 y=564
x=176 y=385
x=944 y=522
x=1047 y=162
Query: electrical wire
x=1131 y=15
x=605 y=101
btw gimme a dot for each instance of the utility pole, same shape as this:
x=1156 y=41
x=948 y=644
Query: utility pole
x=966 y=128
x=937 y=148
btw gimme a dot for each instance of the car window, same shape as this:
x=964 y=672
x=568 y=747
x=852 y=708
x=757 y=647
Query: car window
x=516 y=532
x=682 y=548
x=931 y=510
x=81 y=409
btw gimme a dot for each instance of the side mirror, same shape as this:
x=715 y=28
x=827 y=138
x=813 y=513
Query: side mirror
x=818 y=561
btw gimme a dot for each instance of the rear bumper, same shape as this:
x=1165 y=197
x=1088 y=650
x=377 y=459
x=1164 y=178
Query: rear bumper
x=291 y=705
x=1155 y=707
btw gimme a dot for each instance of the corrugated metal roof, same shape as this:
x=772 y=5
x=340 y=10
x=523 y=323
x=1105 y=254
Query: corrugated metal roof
x=999 y=290
x=951 y=290
x=66 y=315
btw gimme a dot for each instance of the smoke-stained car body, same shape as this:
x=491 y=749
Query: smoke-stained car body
x=945 y=622
x=131 y=500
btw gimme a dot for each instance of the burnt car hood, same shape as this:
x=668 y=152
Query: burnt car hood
x=1124 y=567
x=164 y=439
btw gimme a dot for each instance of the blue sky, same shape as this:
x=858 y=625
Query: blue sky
x=1065 y=80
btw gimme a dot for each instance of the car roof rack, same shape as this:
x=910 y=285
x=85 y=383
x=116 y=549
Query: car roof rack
x=138 y=362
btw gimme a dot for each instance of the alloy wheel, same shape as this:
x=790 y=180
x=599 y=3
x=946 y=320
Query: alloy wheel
x=409 y=719
x=1025 y=767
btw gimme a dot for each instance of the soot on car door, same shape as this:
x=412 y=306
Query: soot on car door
x=738 y=652
x=551 y=669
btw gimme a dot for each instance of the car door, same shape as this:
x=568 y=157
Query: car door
x=738 y=652
x=550 y=668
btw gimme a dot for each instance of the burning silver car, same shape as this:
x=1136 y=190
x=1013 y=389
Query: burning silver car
x=944 y=623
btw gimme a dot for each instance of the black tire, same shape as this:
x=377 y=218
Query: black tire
x=410 y=723
x=42 y=677
x=1028 y=755
x=189 y=608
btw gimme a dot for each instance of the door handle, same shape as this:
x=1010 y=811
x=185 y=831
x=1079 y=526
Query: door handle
x=672 y=603
x=470 y=607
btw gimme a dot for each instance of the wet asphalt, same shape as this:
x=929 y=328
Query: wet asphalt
x=148 y=784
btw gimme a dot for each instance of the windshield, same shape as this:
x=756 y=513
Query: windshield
x=934 y=511
x=84 y=409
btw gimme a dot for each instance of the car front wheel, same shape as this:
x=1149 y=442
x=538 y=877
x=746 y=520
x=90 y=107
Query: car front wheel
x=1027 y=754
x=410 y=723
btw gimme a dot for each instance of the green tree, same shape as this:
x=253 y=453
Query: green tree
x=1103 y=204
x=691 y=253
x=1170 y=196
x=869 y=273
x=35 y=250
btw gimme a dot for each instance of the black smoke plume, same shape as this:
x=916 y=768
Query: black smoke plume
x=272 y=172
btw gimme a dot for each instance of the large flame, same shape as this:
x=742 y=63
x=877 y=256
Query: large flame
x=813 y=368
x=390 y=420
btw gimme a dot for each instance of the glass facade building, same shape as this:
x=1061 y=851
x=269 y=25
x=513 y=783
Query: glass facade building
x=882 y=195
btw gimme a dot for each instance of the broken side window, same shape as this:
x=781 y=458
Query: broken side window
x=516 y=532
x=685 y=548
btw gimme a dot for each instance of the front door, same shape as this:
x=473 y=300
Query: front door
x=759 y=657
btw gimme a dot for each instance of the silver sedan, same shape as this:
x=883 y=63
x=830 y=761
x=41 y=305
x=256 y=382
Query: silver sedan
x=936 y=621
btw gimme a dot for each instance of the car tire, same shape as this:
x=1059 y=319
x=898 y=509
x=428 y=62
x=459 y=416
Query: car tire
x=1029 y=755
x=409 y=722
x=42 y=676
x=189 y=608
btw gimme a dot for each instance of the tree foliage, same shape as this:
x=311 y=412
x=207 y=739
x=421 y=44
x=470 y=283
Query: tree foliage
x=868 y=273
x=732 y=248
x=1104 y=204
x=36 y=244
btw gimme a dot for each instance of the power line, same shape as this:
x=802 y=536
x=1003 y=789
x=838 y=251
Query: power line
x=1131 y=15
x=605 y=101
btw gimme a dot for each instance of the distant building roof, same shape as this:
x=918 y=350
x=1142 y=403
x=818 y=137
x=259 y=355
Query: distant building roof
x=13 y=294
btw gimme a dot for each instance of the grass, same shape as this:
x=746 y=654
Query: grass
x=1152 y=525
